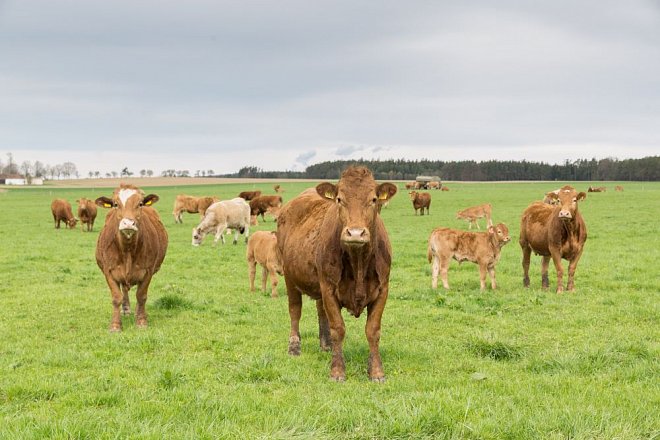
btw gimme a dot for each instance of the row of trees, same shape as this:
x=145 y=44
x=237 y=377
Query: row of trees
x=38 y=169
x=644 y=169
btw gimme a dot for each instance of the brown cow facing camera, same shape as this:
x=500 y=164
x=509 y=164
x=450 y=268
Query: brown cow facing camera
x=86 y=213
x=420 y=201
x=482 y=248
x=554 y=231
x=262 y=250
x=61 y=210
x=130 y=249
x=335 y=249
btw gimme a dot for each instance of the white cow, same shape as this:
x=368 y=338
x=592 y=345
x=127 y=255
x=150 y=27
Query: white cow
x=234 y=214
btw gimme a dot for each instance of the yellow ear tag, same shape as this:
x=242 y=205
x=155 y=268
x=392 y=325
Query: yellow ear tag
x=382 y=196
x=329 y=195
x=107 y=205
x=148 y=203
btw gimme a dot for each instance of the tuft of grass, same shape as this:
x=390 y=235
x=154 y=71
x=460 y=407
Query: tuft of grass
x=172 y=302
x=496 y=350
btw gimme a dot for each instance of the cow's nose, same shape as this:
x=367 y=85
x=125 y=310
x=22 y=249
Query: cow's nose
x=356 y=235
x=127 y=223
x=565 y=214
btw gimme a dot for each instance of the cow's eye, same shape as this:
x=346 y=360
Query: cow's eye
x=374 y=200
x=499 y=232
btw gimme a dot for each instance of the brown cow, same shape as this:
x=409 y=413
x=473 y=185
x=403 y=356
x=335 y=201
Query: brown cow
x=420 y=201
x=410 y=185
x=278 y=189
x=597 y=189
x=444 y=188
x=554 y=231
x=261 y=205
x=473 y=213
x=191 y=205
x=86 y=213
x=335 y=249
x=249 y=195
x=618 y=188
x=434 y=185
x=130 y=249
x=482 y=248
x=61 y=210
x=262 y=249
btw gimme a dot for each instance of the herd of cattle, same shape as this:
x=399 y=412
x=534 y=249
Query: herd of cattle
x=330 y=244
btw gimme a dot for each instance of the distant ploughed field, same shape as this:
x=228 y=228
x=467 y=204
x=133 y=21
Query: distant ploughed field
x=159 y=181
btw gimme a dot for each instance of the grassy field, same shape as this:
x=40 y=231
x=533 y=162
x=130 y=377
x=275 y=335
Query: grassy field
x=213 y=363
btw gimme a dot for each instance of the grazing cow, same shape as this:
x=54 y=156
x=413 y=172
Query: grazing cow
x=482 y=248
x=234 y=214
x=278 y=189
x=335 y=249
x=191 y=205
x=262 y=249
x=554 y=231
x=261 y=205
x=618 y=188
x=61 y=210
x=420 y=201
x=473 y=213
x=86 y=213
x=444 y=188
x=249 y=195
x=597 y=189
x=410 y=185
x=130 y=249
x=433 y=185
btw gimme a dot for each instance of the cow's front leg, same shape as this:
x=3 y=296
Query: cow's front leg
x=295 y=310
x=126 y=302
x=324 y=327
x=491 y=272
x=572 y=265
x=140 y=310
x=372 y=329
x=115 y=292
x=556 y=258
x=337 y=332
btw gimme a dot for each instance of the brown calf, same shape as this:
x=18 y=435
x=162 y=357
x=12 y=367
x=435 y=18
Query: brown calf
x=61 y=210
x=249 y=195
x=482 y=248
x=191 y=205
x=473 y=213
x=335 y=249
x=86 y=213
x=554 y=231
x=444 y=188
x=596 y=189
x=278 y=189
x=420 y=201
x=130 y=249
x=262 y=249
x=261 y=205
x=618 y=188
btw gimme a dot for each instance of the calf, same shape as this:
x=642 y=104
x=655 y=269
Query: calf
x=234 y=214
x=482 y=248
x=420 y=201
x=262 y=249
x=410 y=185
x=260 y=205
x=61 y=210
x=278 y=189
x=473 y=213
x=249 y=195
x=597 y=189
x=86 y=213
x=618 y=188
x=130 y=249
x=554 y=231
x=444 y=188
x=191 y=205
x=434 y=185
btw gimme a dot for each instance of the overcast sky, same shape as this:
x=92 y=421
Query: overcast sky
x=284 y=84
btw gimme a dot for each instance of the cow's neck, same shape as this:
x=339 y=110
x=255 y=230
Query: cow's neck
x=126 y=246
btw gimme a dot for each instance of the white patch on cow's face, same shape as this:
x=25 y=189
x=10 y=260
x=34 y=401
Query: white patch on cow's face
x=125 y=194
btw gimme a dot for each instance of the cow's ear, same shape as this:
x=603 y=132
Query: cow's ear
x=327 y=190
x=581 y=196
x=150 y=200
x=104 y=202
x=386 y=191
x=491 y=230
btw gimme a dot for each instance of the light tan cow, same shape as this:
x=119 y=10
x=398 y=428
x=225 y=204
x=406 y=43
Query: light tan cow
x=262 y=250
x=482 y=248
x=473 y=213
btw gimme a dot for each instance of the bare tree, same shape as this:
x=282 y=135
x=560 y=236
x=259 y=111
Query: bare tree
x=39 y=169
x=108 y=175
x=143 y=172
x=11 y=167
x=69 y=169
x=97 y=174
x=209 y=173
x=26 y=168
x=114 y=174
x=150 y=173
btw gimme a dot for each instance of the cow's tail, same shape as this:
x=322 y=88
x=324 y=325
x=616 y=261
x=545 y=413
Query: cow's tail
x=429 y=252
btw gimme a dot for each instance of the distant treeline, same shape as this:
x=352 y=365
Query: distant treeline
x=645 y=169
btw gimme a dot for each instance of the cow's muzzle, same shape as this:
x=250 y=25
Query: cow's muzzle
x=127 y=227
x=356 y=236
x=565 y=215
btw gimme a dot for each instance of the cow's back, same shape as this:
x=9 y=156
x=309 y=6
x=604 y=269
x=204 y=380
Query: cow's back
x=535 y=226
x=298 y=231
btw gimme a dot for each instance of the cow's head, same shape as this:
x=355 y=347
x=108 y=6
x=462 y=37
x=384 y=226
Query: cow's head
x=126 y=205
x=197 y=236
x=567 y=199
x=71 y=223
x=357 y=197
x=413 y=194
x=500 y=233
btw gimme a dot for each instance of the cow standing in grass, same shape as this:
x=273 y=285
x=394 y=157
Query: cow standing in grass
x=130 y=249
x=86 y=213
x=554 y=231
x=262 y=250
x=335 y=249
x=61 y=210
x=420 y=201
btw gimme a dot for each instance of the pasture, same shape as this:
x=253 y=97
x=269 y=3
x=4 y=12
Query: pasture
x=514 y=363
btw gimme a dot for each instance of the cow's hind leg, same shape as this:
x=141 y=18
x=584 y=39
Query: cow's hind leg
x=374 y=315
x=435 y=270
x=545 y=281
x=273 y=283
x=252 y=271
x=264 y=277
x=295 y=310
x=444 y=269
x=324 y=328
x=527 y=253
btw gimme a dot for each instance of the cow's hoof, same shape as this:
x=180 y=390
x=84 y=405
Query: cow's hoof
x=380 y=379
x=126 y=312
x=141 y=324
x=115 y=329
x=294 y=347
x=338 y=378
x=325 y=347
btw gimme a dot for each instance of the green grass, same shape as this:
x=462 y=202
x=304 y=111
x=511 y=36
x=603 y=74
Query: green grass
x=213 y=363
